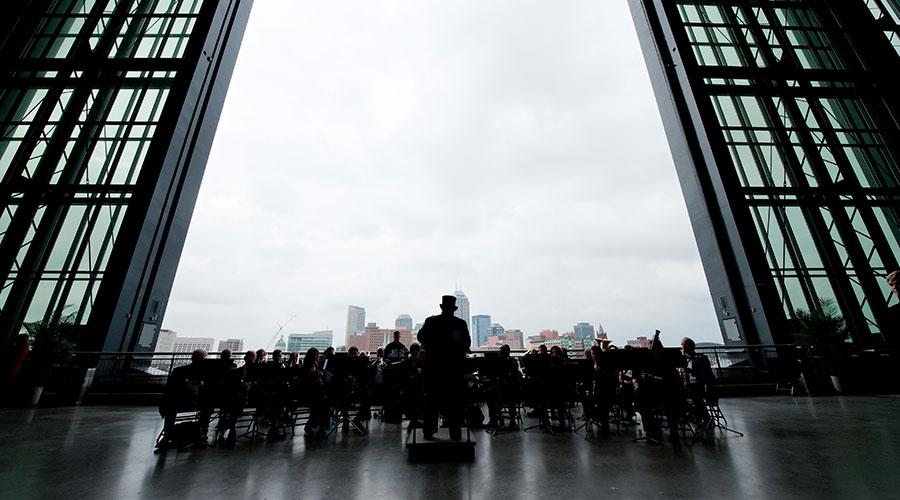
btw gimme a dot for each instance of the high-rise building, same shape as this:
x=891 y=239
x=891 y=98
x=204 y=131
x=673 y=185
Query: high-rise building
x=165 y=341
x=356 y=320
x=462 y=307
x=481 y=324
x=584 y=330
x=639 y=342
x=190 y=344
x=301 y=342
x=108 y=111
x=782 y=118
x=373 y=337
x=235 y=345
x=495 y=329
x=514 y=338
x=404 y=321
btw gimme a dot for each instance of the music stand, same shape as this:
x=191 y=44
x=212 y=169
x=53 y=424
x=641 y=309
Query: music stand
x=717 y=419
x=583 y=371
x=342 y=368
x=540 y=368
x=490 y=370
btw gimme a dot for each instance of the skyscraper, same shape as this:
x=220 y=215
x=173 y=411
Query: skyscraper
x=108 y=111
x=481 y=324
x=189 y=344
x=584 y=330
x=782 y=118
x=462 y=308
x=404 y=321
x=356 y=320
x=236 y=346
x=301 y=342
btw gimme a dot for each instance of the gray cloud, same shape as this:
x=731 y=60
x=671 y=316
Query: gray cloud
x=377 y=154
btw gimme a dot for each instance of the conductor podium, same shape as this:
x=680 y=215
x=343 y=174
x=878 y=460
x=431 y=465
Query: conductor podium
x=441 y=448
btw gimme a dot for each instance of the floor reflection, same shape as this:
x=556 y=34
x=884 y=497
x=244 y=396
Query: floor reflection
x=829 y=446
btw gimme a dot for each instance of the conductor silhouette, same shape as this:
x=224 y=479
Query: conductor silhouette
x=446 y=341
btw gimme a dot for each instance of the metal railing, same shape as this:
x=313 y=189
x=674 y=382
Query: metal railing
x=147 y=372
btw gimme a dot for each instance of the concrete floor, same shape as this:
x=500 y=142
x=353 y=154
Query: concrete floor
x=825 y=447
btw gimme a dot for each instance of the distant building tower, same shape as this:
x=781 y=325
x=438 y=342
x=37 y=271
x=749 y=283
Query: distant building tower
x=495 y=330
x=403 y=321
x=281 y=344
x=462 y=307
x=190 y=344
x=356 y=319
x=236 y=345
x=165 y=342
x=481 y=325
x=584 y=331
x=514 y=338
x=301 y=342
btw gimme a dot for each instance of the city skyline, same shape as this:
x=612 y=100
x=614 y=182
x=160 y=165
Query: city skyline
x=339 y=340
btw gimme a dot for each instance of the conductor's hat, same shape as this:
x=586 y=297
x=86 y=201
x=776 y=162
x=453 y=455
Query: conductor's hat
x=448 y=302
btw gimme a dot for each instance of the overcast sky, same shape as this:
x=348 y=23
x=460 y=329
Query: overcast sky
x=377 y=153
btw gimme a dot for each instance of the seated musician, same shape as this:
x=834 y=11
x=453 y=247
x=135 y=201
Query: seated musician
x=603 y=392
x=309 y=391
x=185 y=391
x=530 y=382
x=375 y=376
x=411 y=385
x=626 y=389
x=506 y=388
x=356 y=390
x=395 y=352
x=324 y=359
x=657 y=386
x=270 y=392
x=698 y=380
x=234 y=397
x=543 y=381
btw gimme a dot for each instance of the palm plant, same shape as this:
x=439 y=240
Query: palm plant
x=51 y=345
x=823 y=329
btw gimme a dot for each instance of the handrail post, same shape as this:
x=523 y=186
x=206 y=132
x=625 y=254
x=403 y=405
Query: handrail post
x=718 y=363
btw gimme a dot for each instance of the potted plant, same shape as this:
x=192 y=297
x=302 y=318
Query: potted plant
x=51 y=346
x=822 y=328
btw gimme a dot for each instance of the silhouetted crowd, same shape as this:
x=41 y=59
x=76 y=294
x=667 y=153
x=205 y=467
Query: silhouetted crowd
x=329 y=391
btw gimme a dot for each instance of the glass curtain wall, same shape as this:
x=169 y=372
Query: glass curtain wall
x=80 y=101
x=805 y=143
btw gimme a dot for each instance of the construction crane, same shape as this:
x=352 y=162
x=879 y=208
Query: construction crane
x=280 y=328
